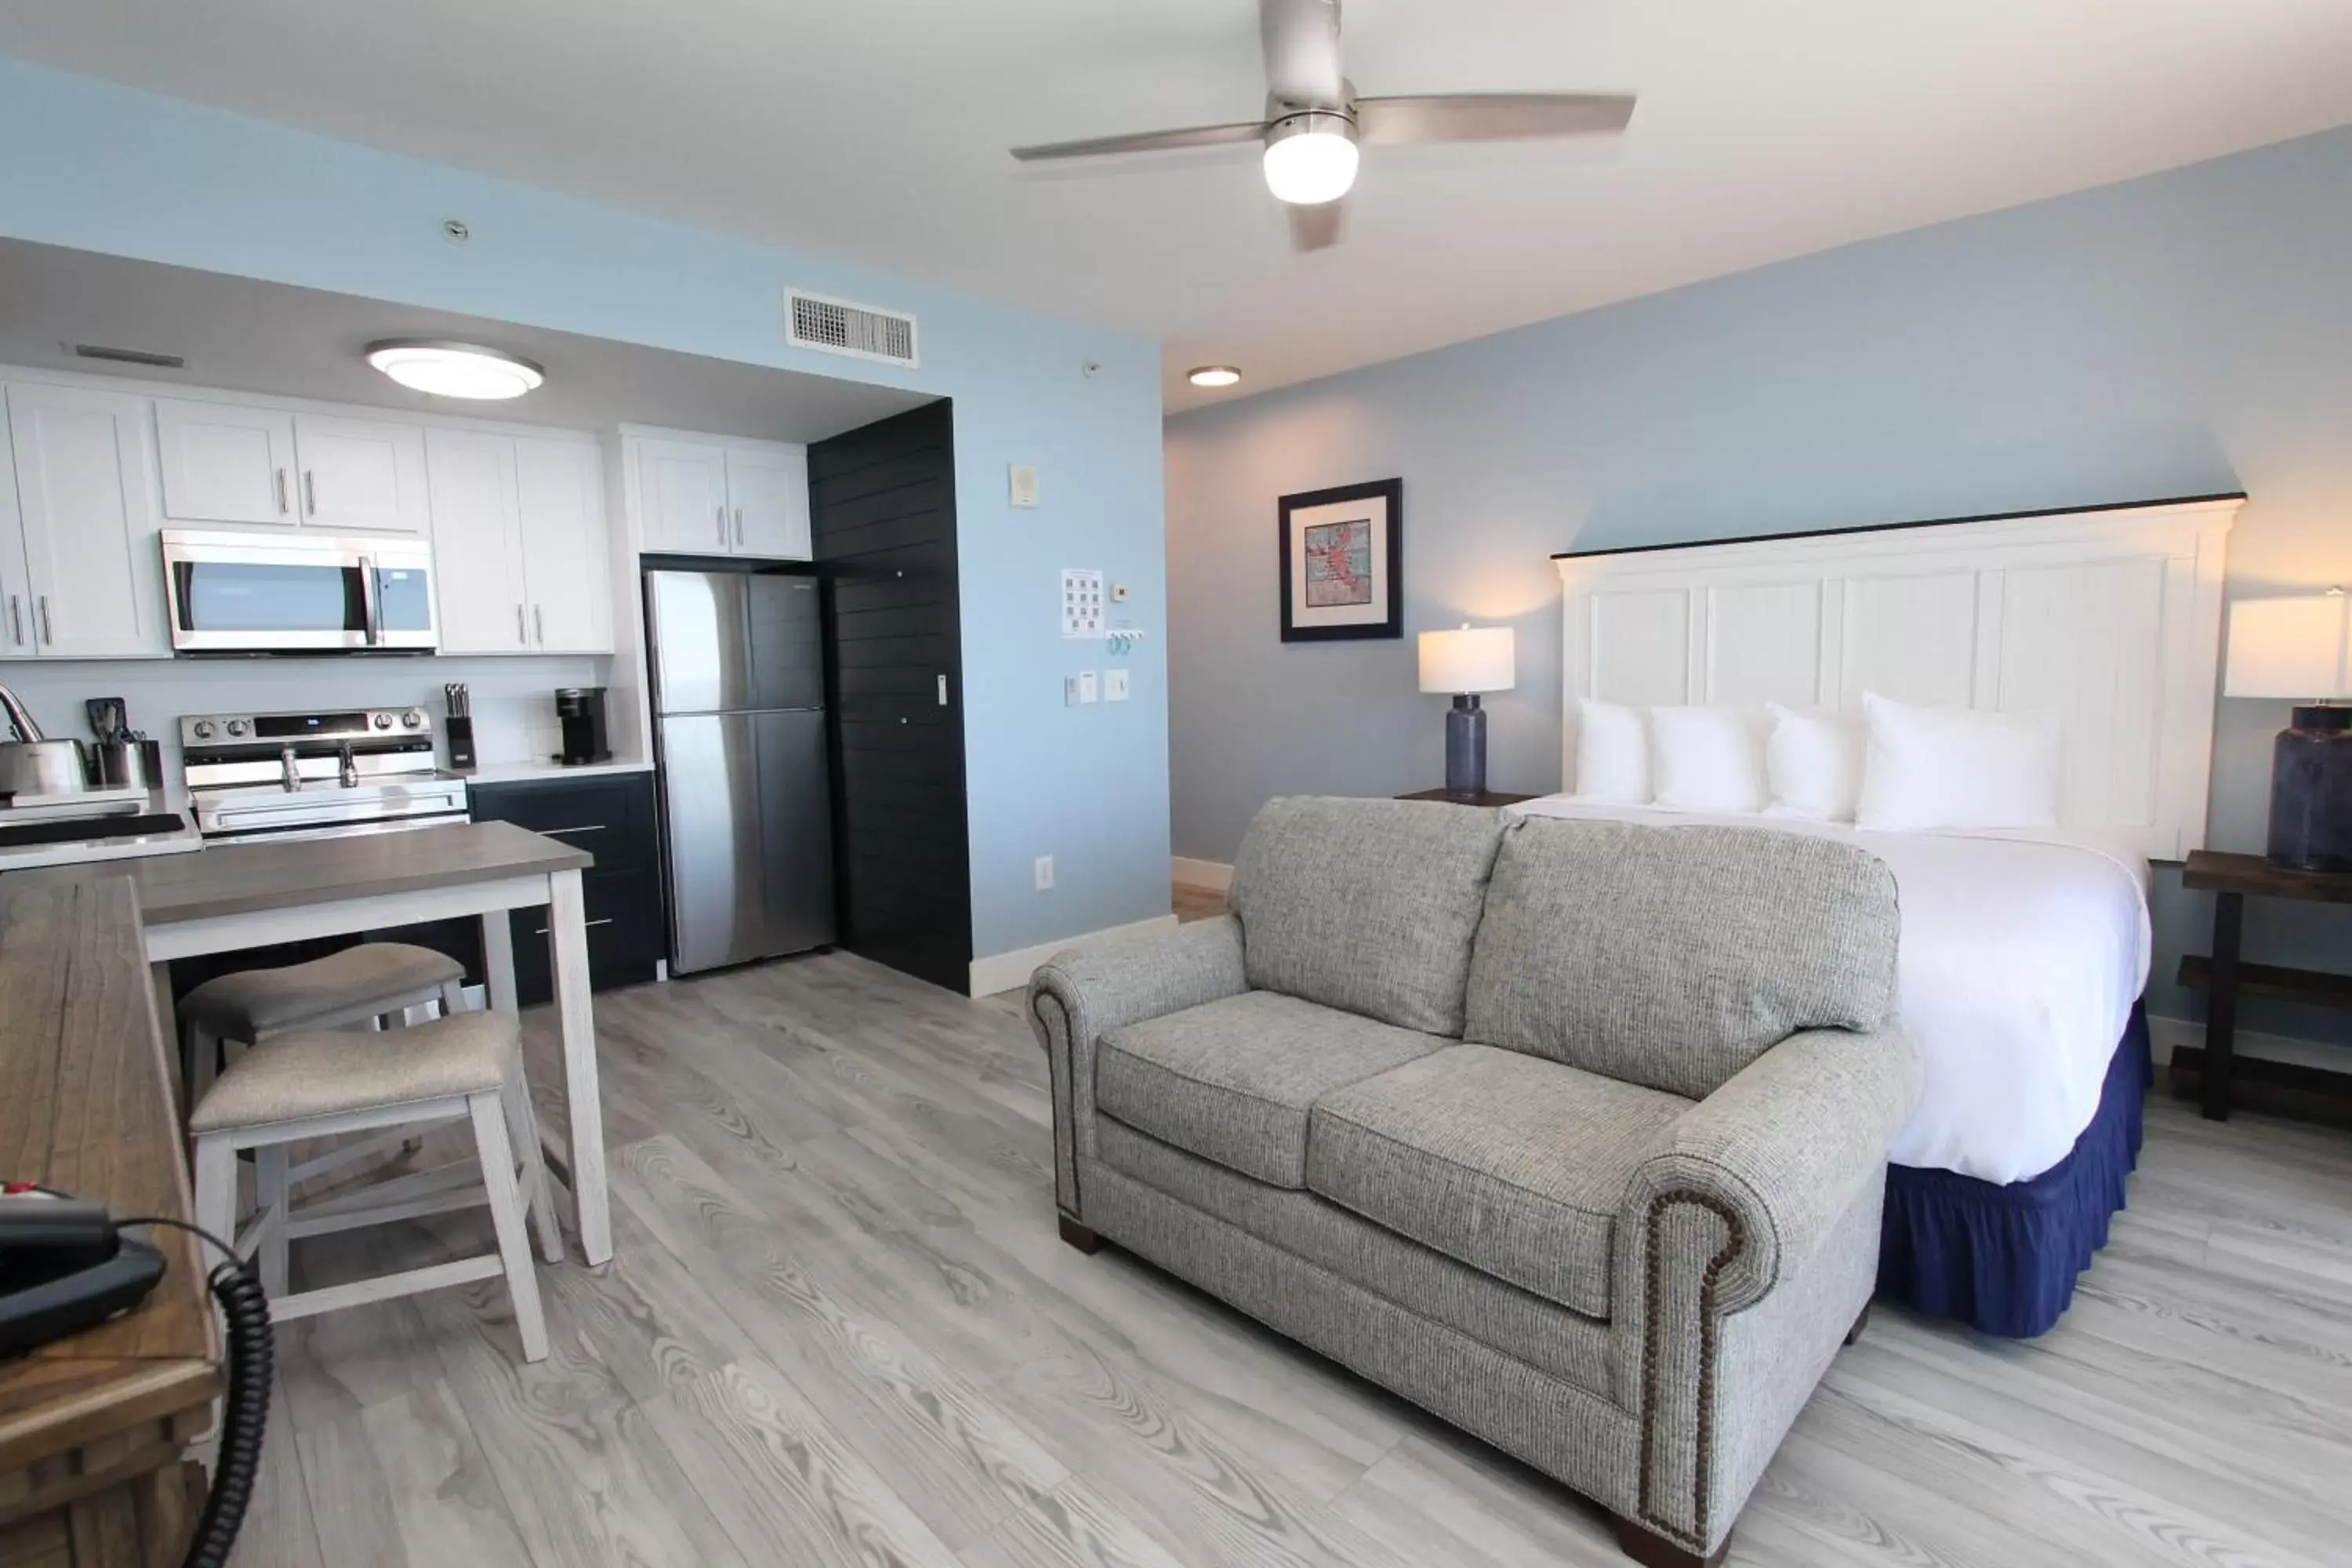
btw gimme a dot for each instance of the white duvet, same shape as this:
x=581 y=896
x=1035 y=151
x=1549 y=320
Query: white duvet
x=2022 y=954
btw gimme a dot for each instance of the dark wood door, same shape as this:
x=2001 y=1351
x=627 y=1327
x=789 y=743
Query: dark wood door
x=883 y=520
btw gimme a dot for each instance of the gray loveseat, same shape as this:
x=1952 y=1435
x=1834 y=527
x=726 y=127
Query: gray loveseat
x=1572 y=1133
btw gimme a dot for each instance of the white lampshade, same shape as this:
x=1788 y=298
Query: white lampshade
x=1474 y=659
x=2288 y=647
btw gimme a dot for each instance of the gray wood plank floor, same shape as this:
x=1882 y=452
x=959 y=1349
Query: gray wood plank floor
x=840 y=1330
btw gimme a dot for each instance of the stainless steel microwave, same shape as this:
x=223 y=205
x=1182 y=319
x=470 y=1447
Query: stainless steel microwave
x=261 y=593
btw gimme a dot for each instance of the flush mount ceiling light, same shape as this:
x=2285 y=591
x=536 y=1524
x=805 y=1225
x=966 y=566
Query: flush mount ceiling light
x=1214 y=375
x=449 y=368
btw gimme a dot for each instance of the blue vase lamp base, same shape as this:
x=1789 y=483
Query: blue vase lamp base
x=2311 y=792
x=1465 y=749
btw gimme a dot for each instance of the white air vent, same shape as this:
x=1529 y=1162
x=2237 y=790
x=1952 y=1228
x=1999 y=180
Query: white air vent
x=838 y=327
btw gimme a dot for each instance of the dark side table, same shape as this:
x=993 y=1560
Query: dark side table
x=1490 y=797
x=2232 y=879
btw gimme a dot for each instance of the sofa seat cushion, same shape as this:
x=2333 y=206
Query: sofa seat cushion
x=1512 y=1164
x=1232 y=1081
x=1370 y=905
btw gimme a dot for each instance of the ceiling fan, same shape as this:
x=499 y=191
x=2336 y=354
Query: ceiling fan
x=1314 y=120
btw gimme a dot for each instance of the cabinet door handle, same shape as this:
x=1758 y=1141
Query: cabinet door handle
x=584 y=828
x=584 y=925
x=309 y=493
x=17 y=619
x=280 y=475
x=48 y=631
x=520 y=635
x=539 y=622
x=722 y=524
x=738 y=527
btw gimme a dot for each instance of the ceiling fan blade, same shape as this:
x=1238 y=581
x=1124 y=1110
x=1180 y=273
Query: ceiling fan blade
x=1491 y=116
x=1143 y=142
x=1318 y=228
x=1301 y=40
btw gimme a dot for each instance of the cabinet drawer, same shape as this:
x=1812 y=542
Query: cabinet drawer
x=611 y=816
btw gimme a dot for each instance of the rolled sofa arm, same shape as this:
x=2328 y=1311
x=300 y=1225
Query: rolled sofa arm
x=1777 y=1153
x=1082 y=993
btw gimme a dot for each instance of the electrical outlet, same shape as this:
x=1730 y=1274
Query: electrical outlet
x=1114 y=685
x=1045 y=873
x=1088 y=686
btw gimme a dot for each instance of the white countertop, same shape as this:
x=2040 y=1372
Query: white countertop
x=533 y=772
x=81 y=851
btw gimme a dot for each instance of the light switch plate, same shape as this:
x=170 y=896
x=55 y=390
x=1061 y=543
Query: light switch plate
x=1088 y=690
x=1114 y=685
x=1022 y=480
x=1069 y=692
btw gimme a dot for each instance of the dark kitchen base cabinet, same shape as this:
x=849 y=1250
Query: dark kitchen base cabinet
x=611 y=816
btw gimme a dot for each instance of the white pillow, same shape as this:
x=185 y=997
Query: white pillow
x=1955 y=767
x=1612 y=754
x=1813 y=762
x=1707 y=759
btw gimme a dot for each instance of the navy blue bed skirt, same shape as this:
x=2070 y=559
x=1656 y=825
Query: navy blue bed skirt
x=2003 y=1259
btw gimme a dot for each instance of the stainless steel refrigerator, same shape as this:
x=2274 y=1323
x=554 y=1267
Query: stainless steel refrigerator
x=739 y=738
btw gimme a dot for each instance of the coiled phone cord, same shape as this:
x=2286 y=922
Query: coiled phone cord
x=244 y=1409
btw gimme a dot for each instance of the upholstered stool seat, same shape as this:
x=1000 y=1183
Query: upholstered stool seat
x=380 y=975
x=321 y=1083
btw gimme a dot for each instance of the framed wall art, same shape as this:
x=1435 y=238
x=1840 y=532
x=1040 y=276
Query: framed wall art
x=1343 y=563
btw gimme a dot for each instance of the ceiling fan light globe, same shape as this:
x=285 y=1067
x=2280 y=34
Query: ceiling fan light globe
x=1311 y=161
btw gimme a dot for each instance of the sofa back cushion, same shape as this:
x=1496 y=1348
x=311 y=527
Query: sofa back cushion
x=1369 y=905
x=1673 y=957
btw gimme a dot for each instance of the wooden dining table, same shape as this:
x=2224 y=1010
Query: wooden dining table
x=232 y=897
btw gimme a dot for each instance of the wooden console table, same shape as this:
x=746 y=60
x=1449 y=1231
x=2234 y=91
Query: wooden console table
x=94 y=1428
x=2232 y=879
x=1490 y=797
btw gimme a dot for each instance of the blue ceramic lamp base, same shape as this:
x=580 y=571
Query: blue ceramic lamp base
x=2311 y=791
x=1465 y=749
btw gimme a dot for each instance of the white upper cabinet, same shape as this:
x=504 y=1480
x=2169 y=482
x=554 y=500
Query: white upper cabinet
x=476 y=542
x=683 y=494
x=768 y=502
x=518 y=544
x=716 y=498
x=87 y=523
x=225 y=463
x=560 y=500
x=361 y=476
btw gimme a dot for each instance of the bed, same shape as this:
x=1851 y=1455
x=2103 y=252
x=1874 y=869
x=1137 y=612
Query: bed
x=2024 y=953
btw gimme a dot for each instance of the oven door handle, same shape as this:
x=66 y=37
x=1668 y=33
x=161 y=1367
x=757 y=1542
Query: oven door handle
x=368 y=609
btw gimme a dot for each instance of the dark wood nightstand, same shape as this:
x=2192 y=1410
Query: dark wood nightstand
x=2231 y=878
x=1490 y=797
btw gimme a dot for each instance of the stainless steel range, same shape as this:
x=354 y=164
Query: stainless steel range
x=269 y=777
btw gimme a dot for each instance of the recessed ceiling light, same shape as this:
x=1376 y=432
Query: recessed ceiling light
x=449 y=368
x=1214 y=375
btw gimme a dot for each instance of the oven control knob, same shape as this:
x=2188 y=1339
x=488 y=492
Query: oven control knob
x=237 y=726
x=203 y=731
x=411 y=720
x=383 y=720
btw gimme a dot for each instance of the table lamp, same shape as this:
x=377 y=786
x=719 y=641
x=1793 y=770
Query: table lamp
x=2296 y=648
x=1464 y=663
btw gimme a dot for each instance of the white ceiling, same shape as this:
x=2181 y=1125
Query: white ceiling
x=873 y=130
x=250 y=336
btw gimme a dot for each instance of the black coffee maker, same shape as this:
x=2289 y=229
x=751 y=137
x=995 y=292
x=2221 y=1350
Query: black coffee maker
x=580 y=710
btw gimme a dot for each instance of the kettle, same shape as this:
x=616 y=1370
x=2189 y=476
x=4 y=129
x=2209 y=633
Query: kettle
x=33 y=764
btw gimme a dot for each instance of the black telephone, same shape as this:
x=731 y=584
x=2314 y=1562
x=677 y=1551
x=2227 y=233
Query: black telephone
x=64 y=1267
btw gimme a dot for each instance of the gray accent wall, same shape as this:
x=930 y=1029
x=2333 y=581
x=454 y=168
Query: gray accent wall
x=2184 y=333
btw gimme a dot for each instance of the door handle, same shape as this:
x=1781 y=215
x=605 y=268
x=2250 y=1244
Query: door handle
x=282 y=491
x=722 y=525
x=309 y=493
x=584 y=828
x=584 y=925
x=738 y=527
x=943 y=690
x=48 y=631
x=17 y=619
x=539 y=622
x=520 y=635
x=368 y=611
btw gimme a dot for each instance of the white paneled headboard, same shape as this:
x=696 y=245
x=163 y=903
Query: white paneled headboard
x=2110 y=616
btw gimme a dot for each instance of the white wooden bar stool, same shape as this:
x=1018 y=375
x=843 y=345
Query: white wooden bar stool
x=318 y=1084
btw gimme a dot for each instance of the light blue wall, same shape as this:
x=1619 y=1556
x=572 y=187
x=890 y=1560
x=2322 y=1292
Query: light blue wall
x=102 y=168
x=2184 y=333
